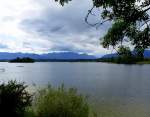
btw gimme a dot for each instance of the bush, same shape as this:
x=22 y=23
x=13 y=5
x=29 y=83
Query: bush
x=51 y=102
x=13 y=99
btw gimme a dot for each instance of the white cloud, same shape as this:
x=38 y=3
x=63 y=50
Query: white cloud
x=41 y=26
x=11 y=14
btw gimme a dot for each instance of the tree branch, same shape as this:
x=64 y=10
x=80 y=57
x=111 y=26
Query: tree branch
x=94 y=24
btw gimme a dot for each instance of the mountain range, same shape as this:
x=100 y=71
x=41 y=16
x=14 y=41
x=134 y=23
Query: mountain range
x=48 y=56
x=59 y=56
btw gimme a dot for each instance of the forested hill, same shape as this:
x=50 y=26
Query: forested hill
x=146 y=54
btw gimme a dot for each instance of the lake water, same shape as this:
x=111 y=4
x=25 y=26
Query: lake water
x=114 y=90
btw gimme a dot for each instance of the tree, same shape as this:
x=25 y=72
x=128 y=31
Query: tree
x=124 y=51
x=130 y=22
x=14 y=99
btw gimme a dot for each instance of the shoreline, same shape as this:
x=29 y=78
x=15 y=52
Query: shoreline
x=84 y=61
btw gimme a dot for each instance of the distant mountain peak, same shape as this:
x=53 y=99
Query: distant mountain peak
x=54 y=55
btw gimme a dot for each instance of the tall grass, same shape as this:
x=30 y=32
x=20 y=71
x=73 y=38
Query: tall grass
x=60 y=102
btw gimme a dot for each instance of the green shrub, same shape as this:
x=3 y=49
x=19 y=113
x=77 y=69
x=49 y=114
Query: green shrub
x=51 y=102
x=13 y=99
x=29 y=112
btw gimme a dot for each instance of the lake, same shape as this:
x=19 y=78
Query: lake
x=113 y=90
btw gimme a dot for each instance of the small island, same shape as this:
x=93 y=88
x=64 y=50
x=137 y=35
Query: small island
x=22 y=60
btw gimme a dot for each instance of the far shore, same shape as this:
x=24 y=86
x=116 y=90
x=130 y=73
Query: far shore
x=147 y=61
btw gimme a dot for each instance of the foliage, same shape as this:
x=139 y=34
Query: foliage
x=112 y=38
x=59 y=102
x=123 y=60
x=130 y=21
x=29 y=112
x=13 y=99
x=62 y=1
x=22 y=60
x=124 y=51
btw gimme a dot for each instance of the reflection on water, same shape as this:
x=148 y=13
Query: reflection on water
x=2 y=69
x=118 y=90
x=19 y=66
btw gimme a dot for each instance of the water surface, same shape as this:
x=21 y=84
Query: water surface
x=115 y=90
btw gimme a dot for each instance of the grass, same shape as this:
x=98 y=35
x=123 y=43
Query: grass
x=60 y=102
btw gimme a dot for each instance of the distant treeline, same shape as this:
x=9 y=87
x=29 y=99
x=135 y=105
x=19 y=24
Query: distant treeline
x=66 y=60
x=125 y=60
x=22 y=60
x=118 y=60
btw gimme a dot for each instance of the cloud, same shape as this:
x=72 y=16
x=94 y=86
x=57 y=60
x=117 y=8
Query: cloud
x=3 y=46
x=44 y=26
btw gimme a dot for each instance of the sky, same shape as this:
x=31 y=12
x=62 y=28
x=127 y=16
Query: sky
x=44 y=26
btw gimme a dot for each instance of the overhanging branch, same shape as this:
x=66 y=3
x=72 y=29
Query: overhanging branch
x=93 y=24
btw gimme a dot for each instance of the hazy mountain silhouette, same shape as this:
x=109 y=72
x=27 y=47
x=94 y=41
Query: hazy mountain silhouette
x=57 y=56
